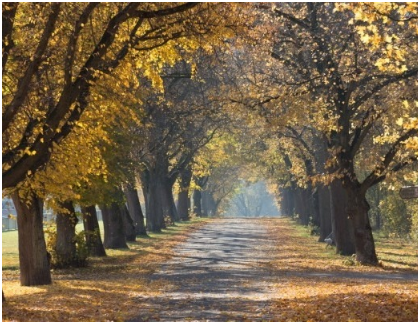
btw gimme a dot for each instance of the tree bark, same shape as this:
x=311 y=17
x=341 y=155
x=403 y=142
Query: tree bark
x=91 y=227
x=155 y=218
x=167 y=198
x=363 y=237
x=341 y=225
x=197 y=203
x=324 y=203
x=144 y=176
x=134 y=207
x=287 y=204
x=209 y=206
x=65 y=247
x=33 y=258
x=302 y=205
x=128 y=224
x=183 y=196
x=114 y=233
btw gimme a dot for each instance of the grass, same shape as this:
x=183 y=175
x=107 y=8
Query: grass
x=109 y=289
x=316 y=284
x=311 y=283
x=10 y=253
x=393 y=253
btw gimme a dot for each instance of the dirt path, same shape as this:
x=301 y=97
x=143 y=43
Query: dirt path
x=215 y=275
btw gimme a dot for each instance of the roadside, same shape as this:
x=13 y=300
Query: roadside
x=315 y=284
x=107 y=290
x=225 y=270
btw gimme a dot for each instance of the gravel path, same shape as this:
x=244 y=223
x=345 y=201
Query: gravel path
x=215 y=276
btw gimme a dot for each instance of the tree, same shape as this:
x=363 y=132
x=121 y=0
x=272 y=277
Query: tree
x=52 y=65
x=325 y=57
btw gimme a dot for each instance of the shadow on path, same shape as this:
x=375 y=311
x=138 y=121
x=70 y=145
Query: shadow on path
x=222 y=273
x=215 y=275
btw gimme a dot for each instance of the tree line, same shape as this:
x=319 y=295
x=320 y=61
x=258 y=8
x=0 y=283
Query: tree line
x=102 y=99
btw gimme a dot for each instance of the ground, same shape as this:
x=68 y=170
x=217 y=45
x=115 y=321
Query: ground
x=226 y=270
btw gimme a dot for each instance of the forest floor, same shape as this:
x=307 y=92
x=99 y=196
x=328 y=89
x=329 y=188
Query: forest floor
x=226 y=270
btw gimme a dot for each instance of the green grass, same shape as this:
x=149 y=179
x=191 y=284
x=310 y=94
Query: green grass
x=10 y=255
x=392 y=252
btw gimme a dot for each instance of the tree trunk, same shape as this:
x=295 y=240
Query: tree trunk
x=183 y=196
x=197 y=203
x=316 y=221
x=128 y=224
x=341 y=225
x=135 y=210
x=114 y=233
x=91 y=227
x=183 y=205
x=33 y=258
x=155 y=218
x=324 y=192
x=302 y=205
x=65 y=247
x=363 y=237
x=209 y=206
x=324 y=203
x=167 y=198
x=287 y=204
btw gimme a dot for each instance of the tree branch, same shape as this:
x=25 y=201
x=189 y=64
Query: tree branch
x=23 y=85
x=378 y=174
x=8 y=17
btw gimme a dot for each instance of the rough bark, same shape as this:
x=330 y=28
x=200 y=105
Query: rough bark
x=183 y=205
x=324 y=203
x=114 y=232
x=302 y=205
x=134 y=207
x=128 y=224
x=33 y=258
x=323 y=191
x=316 y=221
x=363 y=237
x=65 y=247
x=91 y=227
x=167 y=198
x=197 y=203
x=155 y=218
x=183 y=196
x=341 y=225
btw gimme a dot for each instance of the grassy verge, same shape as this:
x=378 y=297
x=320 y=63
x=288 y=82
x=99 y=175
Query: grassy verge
x=109 y=289
x=315 y=284
x=394 y=254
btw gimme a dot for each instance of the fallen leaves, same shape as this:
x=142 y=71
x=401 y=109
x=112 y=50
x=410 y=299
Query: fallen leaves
x=110 y=289
x=313 y=284
x=302 y=281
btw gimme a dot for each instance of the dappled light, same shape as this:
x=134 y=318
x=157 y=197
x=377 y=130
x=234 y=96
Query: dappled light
x=225 y=161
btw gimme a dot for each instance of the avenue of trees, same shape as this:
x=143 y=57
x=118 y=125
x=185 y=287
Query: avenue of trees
x=177 y=101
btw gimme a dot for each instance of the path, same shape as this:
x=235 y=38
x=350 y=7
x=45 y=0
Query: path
x=215 y=275
x=221 y=273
